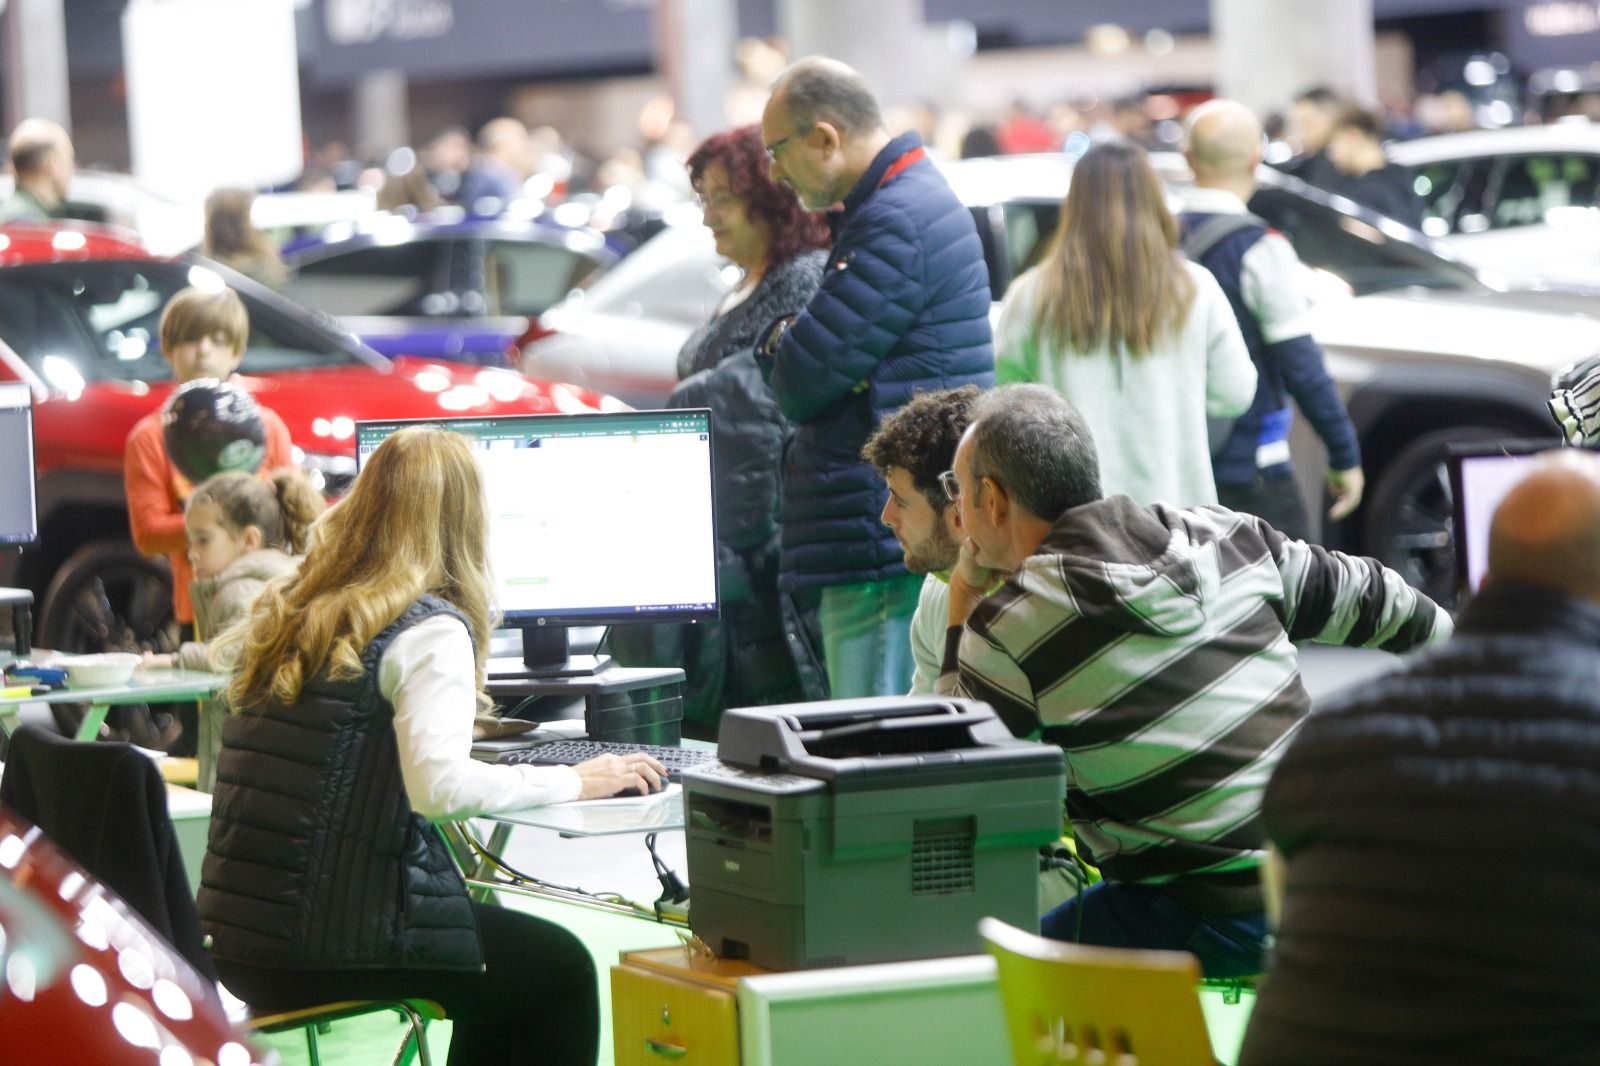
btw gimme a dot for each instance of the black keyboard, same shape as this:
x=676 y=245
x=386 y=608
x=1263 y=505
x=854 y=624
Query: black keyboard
x=572 y=752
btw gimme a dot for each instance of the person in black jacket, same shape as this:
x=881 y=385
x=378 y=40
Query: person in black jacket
x=1437 y=826
x=761 y=649
x=356 y=685
x=1359 y=170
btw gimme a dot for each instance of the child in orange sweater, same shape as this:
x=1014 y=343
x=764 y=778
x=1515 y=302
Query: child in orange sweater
x=203 y=335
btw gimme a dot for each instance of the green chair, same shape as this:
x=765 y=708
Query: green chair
x=315 y=1020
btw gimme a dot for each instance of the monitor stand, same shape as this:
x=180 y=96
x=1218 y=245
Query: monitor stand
x=545 y=653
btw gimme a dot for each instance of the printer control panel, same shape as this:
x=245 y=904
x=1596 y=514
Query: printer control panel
x=762 y=780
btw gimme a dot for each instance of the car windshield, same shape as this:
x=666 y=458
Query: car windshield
x=99 y=320
x=1358 y=252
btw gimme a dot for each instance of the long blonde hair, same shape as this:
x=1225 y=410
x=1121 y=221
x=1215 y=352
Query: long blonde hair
x=415 y=522
x=1113 y=274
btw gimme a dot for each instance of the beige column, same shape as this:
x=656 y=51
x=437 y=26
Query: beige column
x=36 y=62
x=1269 y=50
x=887 y=40
x=694 y=53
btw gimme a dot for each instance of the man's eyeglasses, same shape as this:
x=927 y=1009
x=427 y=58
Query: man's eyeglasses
x=719 y=201
x=777 y=146
x=952 y=487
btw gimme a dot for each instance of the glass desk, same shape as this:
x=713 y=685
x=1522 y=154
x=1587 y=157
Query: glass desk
x=657 y=812
x=145 y=686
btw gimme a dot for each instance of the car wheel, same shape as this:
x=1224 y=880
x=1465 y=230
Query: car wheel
x=1410 y=523
x=109 y=597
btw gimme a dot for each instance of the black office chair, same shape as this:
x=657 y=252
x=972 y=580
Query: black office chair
x=105 y=805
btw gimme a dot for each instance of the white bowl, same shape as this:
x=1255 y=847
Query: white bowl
x=99 y=670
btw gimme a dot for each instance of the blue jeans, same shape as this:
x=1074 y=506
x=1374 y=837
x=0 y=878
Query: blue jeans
x=866 y=636
x=1119 y=915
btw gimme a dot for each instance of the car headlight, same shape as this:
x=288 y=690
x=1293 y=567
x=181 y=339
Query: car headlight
x=330 y=475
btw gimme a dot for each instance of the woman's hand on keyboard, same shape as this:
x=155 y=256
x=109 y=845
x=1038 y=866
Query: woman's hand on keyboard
x=607 y=775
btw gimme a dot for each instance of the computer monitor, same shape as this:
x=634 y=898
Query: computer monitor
x=594 y=519
x=19 y=502
x=1480 y=476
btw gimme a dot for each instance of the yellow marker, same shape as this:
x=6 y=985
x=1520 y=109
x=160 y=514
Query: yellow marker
x=18 y=691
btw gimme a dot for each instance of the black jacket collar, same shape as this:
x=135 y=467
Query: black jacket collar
x=1531 y=610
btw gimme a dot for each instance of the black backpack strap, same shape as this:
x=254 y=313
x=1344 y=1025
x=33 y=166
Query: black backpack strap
x=1199 y=240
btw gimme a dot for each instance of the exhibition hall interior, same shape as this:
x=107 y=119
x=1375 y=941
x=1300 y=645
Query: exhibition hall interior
x=799 y=532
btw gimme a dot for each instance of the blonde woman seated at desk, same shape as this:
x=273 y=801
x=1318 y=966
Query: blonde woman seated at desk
x=355 y=691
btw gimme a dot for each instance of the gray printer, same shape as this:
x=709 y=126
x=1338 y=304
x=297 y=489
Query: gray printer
x=866 y=830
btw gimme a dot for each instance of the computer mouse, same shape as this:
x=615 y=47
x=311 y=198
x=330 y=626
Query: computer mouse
x=638 y=792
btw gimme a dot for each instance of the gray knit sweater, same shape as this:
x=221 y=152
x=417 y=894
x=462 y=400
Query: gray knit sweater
x=785 y=289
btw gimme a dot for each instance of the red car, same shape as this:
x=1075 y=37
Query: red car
x=79 y=315
x=87 y=980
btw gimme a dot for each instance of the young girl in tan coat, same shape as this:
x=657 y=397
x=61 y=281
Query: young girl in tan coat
x=243 y=532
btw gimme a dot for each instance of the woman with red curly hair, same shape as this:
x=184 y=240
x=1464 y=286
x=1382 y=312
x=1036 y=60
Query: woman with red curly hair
x=759 y=226
x=746 y=657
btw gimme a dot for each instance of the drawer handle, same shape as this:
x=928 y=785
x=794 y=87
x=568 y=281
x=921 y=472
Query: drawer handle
x=664 y=1049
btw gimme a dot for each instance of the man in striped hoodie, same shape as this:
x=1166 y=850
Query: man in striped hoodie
x=1157 y=647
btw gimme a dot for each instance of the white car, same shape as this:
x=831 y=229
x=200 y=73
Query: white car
x=620 y=334
x=1523 y=202
x=1426 y=350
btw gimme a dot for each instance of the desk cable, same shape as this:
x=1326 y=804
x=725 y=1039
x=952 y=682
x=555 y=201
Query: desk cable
x=672 y=889
x=518 y=878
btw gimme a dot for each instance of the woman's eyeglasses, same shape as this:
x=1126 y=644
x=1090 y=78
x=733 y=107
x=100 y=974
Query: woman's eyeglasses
x=719 y=201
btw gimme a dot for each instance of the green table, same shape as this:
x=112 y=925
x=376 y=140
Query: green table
x=145 y=686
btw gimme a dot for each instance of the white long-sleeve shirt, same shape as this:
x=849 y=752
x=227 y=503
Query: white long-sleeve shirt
x=928 y=628
x=428 y=675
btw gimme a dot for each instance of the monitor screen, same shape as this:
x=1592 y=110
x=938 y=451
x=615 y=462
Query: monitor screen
x=19 y=503
x=1480 y=477
x=593 y=518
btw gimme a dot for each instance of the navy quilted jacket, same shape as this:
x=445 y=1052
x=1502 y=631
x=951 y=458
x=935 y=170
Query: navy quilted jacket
x=903 y=308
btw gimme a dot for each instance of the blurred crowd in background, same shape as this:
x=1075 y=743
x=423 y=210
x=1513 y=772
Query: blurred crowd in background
x=507 y=165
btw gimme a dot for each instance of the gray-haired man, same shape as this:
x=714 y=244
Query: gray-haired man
x=1156 y=645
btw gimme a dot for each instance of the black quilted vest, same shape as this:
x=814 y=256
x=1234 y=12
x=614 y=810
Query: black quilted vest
x=315 y=857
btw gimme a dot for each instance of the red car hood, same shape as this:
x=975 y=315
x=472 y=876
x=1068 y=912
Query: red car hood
x=320 y=406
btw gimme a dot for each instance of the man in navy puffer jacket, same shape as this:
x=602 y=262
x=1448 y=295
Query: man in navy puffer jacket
x=903 y=308
x=1439 y=825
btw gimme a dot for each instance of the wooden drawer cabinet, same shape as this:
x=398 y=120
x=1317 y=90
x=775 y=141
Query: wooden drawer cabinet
x=668 y=1007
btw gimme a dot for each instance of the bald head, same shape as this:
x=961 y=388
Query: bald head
x=1546 y=532
x=42 y=159
x=1222 y=142
x=818 y=89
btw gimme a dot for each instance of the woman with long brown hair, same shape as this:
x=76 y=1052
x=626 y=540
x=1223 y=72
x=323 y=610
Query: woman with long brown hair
x=233 y=240
x=1142 y=341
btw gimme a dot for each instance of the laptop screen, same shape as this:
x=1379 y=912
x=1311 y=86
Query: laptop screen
x=1480 y=476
